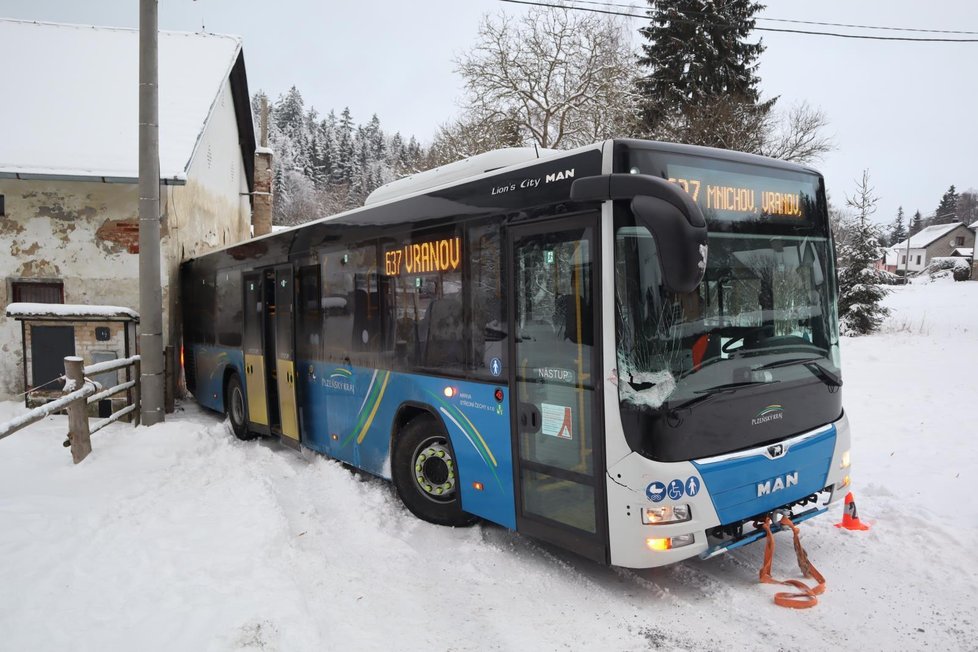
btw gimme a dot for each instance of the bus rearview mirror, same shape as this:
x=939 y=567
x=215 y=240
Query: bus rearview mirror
x=668 y=212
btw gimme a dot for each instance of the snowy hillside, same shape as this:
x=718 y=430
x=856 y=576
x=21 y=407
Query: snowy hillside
x=180 y=537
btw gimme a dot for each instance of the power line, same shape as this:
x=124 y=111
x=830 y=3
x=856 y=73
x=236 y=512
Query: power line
x=762 y=29
x=801 y=22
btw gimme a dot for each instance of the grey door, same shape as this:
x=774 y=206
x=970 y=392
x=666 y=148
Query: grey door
x=50 y=345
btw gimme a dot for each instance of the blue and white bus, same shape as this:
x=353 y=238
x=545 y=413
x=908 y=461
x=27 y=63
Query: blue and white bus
x=630 y=350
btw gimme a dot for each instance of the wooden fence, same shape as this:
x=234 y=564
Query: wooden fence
x=79 y=393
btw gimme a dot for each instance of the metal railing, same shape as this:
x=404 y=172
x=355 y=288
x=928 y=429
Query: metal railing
x=80 y=392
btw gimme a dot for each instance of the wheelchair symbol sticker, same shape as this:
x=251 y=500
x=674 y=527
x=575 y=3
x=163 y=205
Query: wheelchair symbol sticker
x=692 y=486
x=675 y=490
x=656 y=491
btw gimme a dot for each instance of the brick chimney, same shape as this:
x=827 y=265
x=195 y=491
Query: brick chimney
x=261 y=212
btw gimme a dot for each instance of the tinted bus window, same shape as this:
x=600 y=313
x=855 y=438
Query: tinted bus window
x=309 y=325
x=229 y=310
x=488 y=327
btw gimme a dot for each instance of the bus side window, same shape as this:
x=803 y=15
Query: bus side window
x=353 y=302
x=336 y=297
x=309 y=324
x=206 y=297
x=487 y=329
x=229 y=310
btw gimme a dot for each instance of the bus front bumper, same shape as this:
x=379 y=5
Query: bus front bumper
x=660 y=513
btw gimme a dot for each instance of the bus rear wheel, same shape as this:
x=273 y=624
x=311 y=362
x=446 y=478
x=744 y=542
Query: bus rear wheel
x=234 y=408
x=425 y=475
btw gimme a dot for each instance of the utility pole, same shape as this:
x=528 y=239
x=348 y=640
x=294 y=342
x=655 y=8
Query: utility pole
x=150 y=292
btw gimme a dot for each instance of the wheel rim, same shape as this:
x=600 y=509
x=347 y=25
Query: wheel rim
x=237 y=406
x=434 y=470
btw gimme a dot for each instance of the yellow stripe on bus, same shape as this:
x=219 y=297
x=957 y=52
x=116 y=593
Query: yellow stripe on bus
x=373 y=412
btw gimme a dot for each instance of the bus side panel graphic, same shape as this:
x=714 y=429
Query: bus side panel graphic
x=348 y=412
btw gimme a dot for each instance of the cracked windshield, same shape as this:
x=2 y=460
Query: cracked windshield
x=763 y=314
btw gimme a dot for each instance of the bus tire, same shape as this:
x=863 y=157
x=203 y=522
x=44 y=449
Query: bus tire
x=424 y=473
x=234 y=408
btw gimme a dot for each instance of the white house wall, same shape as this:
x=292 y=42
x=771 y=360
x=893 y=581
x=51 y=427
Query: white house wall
x=214 y=208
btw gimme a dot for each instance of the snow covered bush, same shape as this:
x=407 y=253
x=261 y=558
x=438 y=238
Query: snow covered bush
x=947 y=267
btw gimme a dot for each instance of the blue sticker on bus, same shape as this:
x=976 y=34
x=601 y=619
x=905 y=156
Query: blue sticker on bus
x=656 y=491
x=675 y=490
x=692 y=486
x=495 y=366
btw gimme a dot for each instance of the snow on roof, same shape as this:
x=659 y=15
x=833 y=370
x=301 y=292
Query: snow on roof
x=46 y=310
x=967 y=252
x=72 y=92
x=926 y=236
x=973 y=226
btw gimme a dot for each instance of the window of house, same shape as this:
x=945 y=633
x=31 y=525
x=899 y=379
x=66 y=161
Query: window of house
x=958 y=240
x=903 y=260
x=38 y=292
x=918 y=260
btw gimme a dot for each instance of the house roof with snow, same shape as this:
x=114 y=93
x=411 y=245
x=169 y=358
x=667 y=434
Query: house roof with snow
x=927 y=236
x=71 y=107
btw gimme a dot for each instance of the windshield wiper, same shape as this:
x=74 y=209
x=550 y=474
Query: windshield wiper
x=825 y=375
x=712 y=392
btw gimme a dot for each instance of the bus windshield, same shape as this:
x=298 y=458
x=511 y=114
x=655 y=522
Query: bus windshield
x=765 y=303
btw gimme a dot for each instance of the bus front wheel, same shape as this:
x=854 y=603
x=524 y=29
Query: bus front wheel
x=425 y=475
x=234 y=408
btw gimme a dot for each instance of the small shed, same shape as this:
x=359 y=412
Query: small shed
x=52 y=331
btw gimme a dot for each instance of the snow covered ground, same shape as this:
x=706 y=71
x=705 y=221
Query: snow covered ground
x=180 y=537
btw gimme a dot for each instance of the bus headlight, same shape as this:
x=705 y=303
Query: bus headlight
x=845 y=461
x=666 y=514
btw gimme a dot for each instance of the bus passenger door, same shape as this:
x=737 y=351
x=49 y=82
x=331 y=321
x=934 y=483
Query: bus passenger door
x=254 y=354
x=554 y=376
x=285 y=350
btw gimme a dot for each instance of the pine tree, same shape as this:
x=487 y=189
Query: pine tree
x=947 y=210
x=898 y=232
x=916 y=224
x=860 y=283
x=346 y=149
x=699 y=59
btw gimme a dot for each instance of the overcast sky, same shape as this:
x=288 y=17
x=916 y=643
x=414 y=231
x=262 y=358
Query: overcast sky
x=905 y=111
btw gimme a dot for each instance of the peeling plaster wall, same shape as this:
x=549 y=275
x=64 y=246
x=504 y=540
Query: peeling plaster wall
x=86 y=234
x=50 y=232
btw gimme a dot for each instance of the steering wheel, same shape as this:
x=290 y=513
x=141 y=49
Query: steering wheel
x=743 y=335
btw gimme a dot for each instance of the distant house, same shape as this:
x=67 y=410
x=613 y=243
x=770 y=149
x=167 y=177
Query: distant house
x=929 y=243
x=69 y=166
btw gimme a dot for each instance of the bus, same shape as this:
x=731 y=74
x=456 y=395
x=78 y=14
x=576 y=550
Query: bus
x=629 y=350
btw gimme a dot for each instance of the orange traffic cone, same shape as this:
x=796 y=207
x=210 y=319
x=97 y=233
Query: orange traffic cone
x=850 y=518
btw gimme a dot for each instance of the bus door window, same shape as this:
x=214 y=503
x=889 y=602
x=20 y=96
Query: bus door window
x=270 y=340
x=554 y=319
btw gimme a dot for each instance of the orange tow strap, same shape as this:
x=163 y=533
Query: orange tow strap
x=805 y=597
